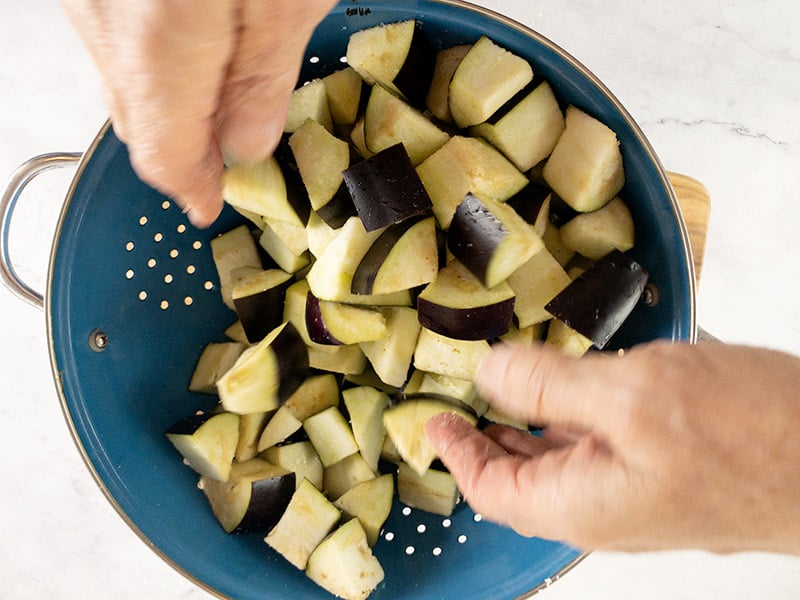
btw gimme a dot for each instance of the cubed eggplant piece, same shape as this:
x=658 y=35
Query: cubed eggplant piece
x=465 y=165
x=386 y=189
x=434 y=491
x=231 y=251
x=405 y=425
x=308 y=518
x=309 y=102
x=265 y=375
x=261 y=189
x=214 y=361
x=321 y=157
x=207 y=441
x=585 y=168
x=457 y=304
x=279 y=428
x=405 y=256
x=527 y=131
x=251 y=426
x=390 y=120
x=253 y=499
x=286 y=244
x=370 y=502
x=341 y=476
x=598 y=301
x=391 y=357
x=314 y=395
x=365 y=406
x=597 y=233
x=344 y=88
x=397 y=55
x=331 y=435
x=438 y=99
x=487 y=77
x=336 y=323
x=300 y=458
x=540 y=279
x=440 y=354
x=258 y=300
x=343 y=563
x=490 y=239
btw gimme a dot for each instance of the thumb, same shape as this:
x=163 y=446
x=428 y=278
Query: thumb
x=541 y=385
x=263 y=73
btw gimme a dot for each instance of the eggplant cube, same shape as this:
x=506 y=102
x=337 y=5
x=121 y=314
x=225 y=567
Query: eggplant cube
x=341 y=476
x=458 y=305
x=444 y=355
x=491 y=239
x=386 y=189
x=598 y=301
x=207 y=442
x=258 y=300
x=308 y=518
x=261 y=189
x=337 y=323
x=265 y=375
x=465 y=165
x=234 y=250
x=435 y=491
x=396 y=55
x=585 y=168
x=370 y=502
x=487 y=77
x=300 y=458
x=539 y=116
x=389 y=120
x=595 y=234
x=309 y=102
x=344 y=565
x=391 y=356
x=253 y=498
x=405 y=426
x=366 y=405
x=535 y=283
x=331 y=435
x=405 y=256
x=214 y=361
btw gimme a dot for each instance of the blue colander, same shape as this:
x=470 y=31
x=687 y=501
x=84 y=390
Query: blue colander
x=133 y=297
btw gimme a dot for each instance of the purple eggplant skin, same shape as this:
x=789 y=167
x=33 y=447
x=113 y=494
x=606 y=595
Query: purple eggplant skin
x=386 y=189
x=295 y=188
x=528 y=201
x=338 y=209
x=474 y=235
x=292 y=356
x=475 y=323
x=268 y=501
x=262 y=312
x=415 y=76
x=367 y=270
x=315 y=324
x=598 y=301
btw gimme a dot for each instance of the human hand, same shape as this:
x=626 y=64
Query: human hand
x=185 y=79
x=669 y=446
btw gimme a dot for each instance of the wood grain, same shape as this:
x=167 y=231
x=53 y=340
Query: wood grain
x=695 y=203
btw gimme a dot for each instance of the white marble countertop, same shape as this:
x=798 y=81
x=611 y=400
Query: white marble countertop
x=715 y=86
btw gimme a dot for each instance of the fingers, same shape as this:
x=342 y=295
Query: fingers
x=546 y=491
x=263 y=73
x=541 y=385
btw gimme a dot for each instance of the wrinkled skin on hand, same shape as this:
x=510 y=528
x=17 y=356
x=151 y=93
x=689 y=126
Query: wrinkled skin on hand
x=669 y=446
x=187 y=78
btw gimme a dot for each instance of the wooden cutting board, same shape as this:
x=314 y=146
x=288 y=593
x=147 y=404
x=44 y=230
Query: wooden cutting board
x=695 y=203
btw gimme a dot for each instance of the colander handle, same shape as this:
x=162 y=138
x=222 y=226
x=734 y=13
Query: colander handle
x=25 y=173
